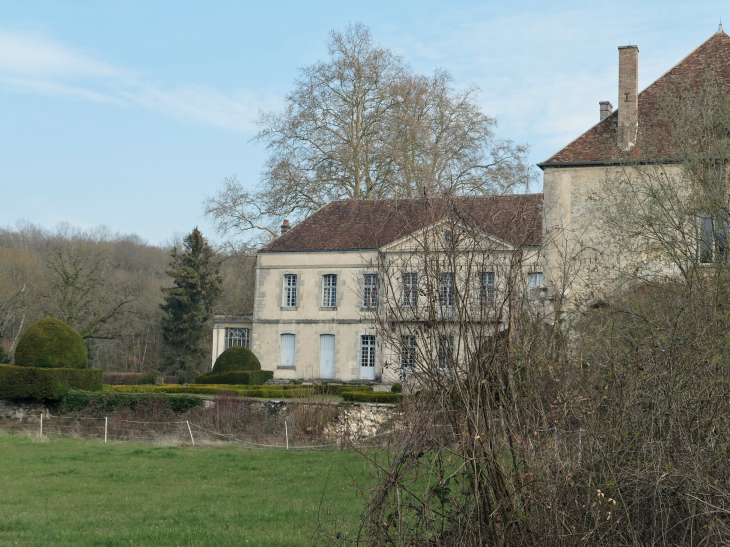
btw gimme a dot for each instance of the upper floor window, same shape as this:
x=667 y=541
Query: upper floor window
x=290 y=291
x=370 y=291
x=410 y=289
x=534 y=280
x=446 y=289
x=713 y=239
x=237 y=337
x=486 y=288
x=329 y=291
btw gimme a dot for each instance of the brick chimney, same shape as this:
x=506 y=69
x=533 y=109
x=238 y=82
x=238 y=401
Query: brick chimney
x=606 y=109
x=628 y=96
x=285 y=227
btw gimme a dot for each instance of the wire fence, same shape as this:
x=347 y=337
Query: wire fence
x=110 y=428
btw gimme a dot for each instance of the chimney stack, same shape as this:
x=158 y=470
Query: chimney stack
x=628 y=96
x=285 y=227
x=606 y=109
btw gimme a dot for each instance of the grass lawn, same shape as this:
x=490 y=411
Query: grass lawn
x=123 y=494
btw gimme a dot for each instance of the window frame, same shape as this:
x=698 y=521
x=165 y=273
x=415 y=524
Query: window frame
x=409 y=297
x=293 y=353
x=370 y=291
x=487 y=283
x=447 y=297
x=329 y=291
x=244 y=337
x=532 y=280
x=445 y=351
x=290 y=292
x=408 y=349
x=367 y=351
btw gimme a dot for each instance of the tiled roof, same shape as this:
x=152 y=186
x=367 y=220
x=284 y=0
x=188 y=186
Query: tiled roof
x=598 y=144
x=371 y=224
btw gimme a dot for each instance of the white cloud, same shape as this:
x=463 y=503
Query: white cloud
x=31 y=63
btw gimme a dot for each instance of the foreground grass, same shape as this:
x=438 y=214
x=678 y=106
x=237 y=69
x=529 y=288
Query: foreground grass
x=83 y=492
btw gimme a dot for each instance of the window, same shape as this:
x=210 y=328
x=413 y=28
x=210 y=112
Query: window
x=447 y=237
x=446 y=289
x=410 y=289
x=367 y=350
x=370 y=291
x=290 y=291
x=534 y=280
x=713 y=239
x=329 y=291
x=486 y=288
x=445 y=351
x=287 y=350
x=407 y=355
x=236 y=337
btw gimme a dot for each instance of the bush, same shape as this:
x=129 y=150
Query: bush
x=44 y=383
x=108 y=402
x=259 y=377
x=236 y=358
x=146 y=378
x=50 y=343
x=396 y=388
x=376 y=397
x=235 y=378
x=121 y=378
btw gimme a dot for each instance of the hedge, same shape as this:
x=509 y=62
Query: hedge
x=105 y=401
x=268 y=392
x=239 y=377
x=236 y=358
x=375 y=397
x=260 y=377
x=50 y=343
x=46 y=383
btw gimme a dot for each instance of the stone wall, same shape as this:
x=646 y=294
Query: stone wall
x=23 y=412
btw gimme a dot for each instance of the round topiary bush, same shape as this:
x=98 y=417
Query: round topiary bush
x=51 y=343
x=236 y=358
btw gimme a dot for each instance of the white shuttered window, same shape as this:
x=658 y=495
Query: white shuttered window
x=287 y=350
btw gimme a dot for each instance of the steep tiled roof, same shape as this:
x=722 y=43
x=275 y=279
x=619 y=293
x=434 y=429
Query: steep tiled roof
x=598 y=144
x=371 y=224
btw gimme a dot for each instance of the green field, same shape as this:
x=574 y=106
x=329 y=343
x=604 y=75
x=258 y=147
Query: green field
x=77 y=492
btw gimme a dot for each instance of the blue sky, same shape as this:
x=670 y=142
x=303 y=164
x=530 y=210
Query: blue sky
x=128 y=114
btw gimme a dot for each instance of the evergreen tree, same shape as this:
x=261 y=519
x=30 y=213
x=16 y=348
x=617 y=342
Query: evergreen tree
x=189 y=303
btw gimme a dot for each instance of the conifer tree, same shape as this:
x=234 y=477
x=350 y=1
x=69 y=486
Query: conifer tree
x=189 y=303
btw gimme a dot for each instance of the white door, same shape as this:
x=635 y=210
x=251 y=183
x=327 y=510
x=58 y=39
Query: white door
x=367 y=357
x=327 y=356
x=287 y=350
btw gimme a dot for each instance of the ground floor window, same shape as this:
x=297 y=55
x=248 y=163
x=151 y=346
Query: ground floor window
x=367 y=350
x=407 y=356
x=237 y=337
x=287 y=350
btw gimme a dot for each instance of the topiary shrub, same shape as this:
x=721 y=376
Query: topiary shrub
x=51 y=343
x=148 y=377
x=239 y=377
x=260 y=377
x=236 y=358
x=396 y=388
x=45 y=383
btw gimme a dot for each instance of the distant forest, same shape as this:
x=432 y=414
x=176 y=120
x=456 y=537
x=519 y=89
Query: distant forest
x=107 y=286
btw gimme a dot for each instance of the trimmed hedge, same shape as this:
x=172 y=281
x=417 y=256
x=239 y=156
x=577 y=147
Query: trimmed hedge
x=50 y=343
x=238 y=377
x=269 y=392
x=108 y=402
x=375 y=397
x=46 y=383
x=260 y=377
x=236 y=358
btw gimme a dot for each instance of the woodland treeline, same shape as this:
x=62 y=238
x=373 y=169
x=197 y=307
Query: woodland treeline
x=108 y=286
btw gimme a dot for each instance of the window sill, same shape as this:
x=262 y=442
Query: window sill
x=328 y=309
x=288 y=308
x=368 y=308
x=285 y=368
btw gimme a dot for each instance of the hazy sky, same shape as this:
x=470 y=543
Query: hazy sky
x=128 y=114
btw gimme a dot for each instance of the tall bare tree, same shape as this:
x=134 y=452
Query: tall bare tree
x=362 y=125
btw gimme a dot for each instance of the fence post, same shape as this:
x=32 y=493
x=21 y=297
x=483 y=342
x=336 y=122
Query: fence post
x=106 y=423
x=41 y=435
x=191 y=433
x=286 y=432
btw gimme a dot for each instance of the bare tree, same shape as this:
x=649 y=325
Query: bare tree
x=361 y=125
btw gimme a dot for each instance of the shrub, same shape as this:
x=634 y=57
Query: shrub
x=396 y=388
x=375 y=397
x=235 y=378
x=236 y=358
x=146 y=378
x=50 y=343
x=259 y=377
x=108 y=402
x=121 y=378
x=44 y=383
